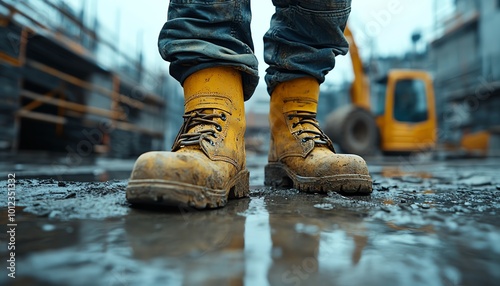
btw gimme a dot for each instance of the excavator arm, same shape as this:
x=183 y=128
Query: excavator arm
x=360 y=89
x=353 y=126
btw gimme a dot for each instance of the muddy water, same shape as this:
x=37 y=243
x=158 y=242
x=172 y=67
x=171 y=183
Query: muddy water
x=434 y=226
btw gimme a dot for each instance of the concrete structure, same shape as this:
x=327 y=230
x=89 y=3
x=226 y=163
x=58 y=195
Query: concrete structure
x=67 y=86
x=257 y=133
x=466 y=58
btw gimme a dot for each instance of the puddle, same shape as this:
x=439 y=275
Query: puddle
x=269 y=239
x=410 y=176
x=429 y=232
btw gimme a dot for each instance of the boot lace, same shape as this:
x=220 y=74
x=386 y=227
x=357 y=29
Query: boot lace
x=315 y=134
x=192 y=120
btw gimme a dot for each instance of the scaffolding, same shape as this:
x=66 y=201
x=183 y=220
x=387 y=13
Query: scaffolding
x=66 y=86
x=467 y=77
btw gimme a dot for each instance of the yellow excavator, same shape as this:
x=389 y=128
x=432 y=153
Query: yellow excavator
x=399 y=116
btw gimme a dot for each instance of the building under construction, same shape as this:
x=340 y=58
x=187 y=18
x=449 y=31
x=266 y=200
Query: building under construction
x=64 y=87
x=466 y=58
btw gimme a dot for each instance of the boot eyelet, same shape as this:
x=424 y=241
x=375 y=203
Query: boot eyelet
x=211 y=142
x=304 y=140
x=218 y=128
x=223 y=117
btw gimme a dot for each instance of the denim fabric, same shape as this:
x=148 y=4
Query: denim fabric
x=303 y=40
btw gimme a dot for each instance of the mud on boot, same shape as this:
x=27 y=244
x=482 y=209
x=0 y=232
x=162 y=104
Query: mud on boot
x=207 y=164
x=301 y=155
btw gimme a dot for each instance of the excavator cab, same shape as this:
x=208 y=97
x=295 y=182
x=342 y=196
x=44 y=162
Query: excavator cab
x=404 y=109
x=397 y=115
x=399 y=118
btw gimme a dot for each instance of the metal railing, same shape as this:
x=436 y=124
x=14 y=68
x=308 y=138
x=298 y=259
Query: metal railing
x=59 y=19
x=128 y=96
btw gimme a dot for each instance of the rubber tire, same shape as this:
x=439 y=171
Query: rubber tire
x=353 y=129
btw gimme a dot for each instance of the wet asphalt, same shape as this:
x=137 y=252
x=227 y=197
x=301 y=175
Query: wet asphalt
x=427 y=222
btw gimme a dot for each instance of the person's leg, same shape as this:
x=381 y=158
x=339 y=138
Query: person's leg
x=304 y=38
x=211 y=54
x=300 y=48
x=201 y=34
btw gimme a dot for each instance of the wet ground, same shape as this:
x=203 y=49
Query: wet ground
x=426 y=223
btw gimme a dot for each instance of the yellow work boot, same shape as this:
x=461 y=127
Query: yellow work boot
x=207 y=162
x=301 y=155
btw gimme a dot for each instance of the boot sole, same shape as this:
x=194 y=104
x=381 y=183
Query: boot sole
x=279 y=175
x=175 y=194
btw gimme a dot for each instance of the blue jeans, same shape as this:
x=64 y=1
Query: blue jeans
x=303 y=40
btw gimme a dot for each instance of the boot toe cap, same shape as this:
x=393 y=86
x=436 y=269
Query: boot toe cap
x=190 y=168
x=322 y=165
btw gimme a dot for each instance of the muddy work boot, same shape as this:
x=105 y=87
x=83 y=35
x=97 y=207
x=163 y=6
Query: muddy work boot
x=301 y=155
x=207 y=162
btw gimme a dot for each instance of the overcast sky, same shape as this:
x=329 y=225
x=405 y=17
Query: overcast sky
x=381 y=27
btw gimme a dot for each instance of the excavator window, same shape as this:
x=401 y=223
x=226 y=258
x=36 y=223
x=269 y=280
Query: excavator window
x=410 y=101
x=379 y=90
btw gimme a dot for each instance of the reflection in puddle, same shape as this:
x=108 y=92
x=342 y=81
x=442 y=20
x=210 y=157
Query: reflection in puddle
x=277 y=238
x=393 y=172
x=424 y=228
x=258 y=245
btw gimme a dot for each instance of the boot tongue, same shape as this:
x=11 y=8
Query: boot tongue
x=300 y=95
x=208 y=102
x=300 y=105
x=202 y=126
x=196 y=131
